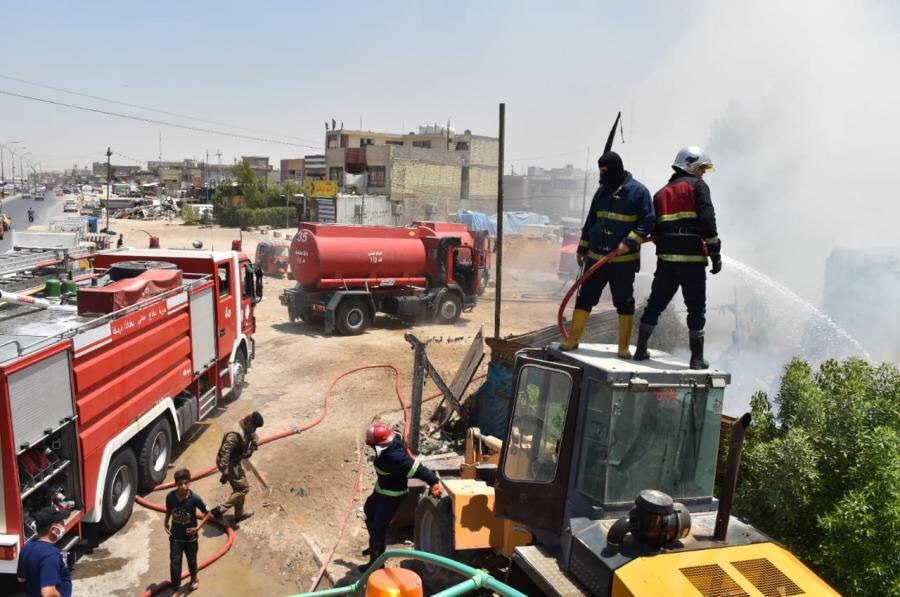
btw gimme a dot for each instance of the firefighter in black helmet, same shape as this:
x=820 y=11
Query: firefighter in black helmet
x=686 y=238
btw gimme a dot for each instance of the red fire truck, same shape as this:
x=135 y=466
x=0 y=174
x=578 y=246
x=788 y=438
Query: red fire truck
x=98 y=383
x=346 y=274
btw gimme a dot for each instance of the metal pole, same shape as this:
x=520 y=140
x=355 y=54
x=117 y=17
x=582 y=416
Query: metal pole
x=498 y=283
x=108 y=181
x=587 y=164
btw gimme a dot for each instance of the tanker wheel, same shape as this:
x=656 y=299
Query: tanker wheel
x=238 y=374
x=433 y=532
x=352 y=317
x=450 y=308
x=307 y=315
x=119 y=491
x=483 y=280
x=155 y=451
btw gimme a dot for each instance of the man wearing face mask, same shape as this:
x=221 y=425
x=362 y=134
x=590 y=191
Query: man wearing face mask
x=237 y=444
x=394 y=467
x=620 y=219
x=42 y=566
x=685 y=235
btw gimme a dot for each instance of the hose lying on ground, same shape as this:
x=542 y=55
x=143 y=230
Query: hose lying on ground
x=157 y=588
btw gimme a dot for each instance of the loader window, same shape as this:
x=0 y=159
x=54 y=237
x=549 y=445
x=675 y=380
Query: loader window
x=662 y=438
x=538 y=420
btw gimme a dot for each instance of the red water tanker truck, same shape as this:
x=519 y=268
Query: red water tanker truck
x=347 y=274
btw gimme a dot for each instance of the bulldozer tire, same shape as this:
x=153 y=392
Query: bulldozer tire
x=154 y=452
x=352 y=317
x=119 y=491
x=433 y=532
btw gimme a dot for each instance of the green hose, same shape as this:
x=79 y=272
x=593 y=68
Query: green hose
x=477 y=579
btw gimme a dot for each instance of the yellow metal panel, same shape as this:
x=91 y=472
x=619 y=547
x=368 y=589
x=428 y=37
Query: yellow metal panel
x=475 y=524
x=757 y=570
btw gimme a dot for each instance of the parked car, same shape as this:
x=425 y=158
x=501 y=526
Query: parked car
x=26 y=196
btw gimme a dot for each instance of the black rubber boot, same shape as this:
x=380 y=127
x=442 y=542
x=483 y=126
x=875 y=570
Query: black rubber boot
x=376 y=548
x=696 y=342
x=640 y=351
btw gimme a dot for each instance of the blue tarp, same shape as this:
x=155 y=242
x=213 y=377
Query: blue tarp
x=492 y=400
x=475 y=220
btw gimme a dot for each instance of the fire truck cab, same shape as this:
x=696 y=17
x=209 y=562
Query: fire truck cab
x=100 y=380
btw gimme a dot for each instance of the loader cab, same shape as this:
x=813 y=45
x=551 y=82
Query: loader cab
x=588 y=431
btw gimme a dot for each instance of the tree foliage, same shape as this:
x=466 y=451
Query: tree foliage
x=822 y=474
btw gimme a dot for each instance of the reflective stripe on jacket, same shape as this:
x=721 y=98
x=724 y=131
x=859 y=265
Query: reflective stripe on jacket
x=623 y=216
x=685 y=220
x=395 y=467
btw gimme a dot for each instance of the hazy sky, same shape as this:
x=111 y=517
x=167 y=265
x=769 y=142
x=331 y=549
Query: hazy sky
x=796 y=101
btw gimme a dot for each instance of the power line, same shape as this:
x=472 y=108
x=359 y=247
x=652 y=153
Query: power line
x=140 y=107
x=160 y=122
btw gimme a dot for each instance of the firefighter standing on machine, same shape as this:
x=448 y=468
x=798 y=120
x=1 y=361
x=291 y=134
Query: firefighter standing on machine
x=620 y=218
x=237 y=444
x=685 y=234
x=394 y=467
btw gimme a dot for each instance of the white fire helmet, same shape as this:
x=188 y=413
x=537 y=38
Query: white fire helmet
x=690 y=157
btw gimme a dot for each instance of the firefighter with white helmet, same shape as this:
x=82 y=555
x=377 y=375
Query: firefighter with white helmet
x=394 y=467
x=686 y=238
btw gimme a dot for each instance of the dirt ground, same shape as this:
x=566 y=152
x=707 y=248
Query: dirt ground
x=312 y=475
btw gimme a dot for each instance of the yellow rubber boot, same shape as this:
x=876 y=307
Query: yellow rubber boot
x=625 y=322
x=579 y=320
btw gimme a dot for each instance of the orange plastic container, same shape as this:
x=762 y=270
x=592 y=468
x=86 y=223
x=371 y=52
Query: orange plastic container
x=394 y=582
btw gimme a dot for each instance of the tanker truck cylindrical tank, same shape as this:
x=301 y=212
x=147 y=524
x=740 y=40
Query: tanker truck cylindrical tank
x=330 y=252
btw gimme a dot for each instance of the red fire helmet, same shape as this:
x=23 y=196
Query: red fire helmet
x=378 y=435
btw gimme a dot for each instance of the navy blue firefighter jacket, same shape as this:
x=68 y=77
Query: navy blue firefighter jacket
x=395 y=467
x=621 y=215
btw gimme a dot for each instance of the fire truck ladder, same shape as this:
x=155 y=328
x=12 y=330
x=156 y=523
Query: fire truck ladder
x=29 y=269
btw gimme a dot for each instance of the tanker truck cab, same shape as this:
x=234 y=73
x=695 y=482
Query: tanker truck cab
x=610 y=464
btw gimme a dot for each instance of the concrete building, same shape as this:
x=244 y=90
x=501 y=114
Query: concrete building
x=554 y=192
x=426 y=175
x=118 y=171
x=292 y=171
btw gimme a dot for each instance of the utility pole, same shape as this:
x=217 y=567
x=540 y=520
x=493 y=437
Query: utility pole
x=587 y=164
x=108 y=181
x=499 y=282
x=219 y=155
x=207 y=176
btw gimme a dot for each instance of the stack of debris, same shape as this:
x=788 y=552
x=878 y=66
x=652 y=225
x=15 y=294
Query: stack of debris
x=165 y=208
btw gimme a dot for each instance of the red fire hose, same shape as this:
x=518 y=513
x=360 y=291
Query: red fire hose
x=157 y=588
x=590 y=272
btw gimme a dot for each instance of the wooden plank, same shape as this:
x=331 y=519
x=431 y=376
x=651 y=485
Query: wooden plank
x=468 y=367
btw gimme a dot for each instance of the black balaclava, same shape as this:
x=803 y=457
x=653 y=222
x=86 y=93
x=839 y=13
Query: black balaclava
x=614 y=176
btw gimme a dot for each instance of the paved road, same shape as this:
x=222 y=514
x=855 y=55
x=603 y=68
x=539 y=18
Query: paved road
x=17 y=208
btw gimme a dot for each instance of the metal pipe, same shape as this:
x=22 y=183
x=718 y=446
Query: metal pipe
x=31 y=301
x=498 y=283
x=729 y=485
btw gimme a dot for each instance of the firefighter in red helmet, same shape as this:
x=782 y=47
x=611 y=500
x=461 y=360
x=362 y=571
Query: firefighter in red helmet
x=394 y=467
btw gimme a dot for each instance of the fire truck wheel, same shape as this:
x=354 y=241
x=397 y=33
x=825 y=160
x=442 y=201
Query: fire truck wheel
x=352 y=317
x=433 y=532
x=238 y=373
x=450 y=308
x=155 y=447
x=119 y=491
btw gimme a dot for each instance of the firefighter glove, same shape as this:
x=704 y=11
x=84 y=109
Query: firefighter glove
x=580 y=259
x=436 y=491
x=716 y=263
x=223 y=479
x=247 y=454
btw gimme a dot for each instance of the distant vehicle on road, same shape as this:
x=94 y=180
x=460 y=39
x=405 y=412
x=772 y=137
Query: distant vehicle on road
x=39 y=197
x=26 y=196
x=70 y=206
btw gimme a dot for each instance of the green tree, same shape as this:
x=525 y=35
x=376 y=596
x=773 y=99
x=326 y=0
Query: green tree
x=822 y=474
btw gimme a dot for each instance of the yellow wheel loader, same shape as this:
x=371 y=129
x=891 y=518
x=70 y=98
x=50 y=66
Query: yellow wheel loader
x=603 y=485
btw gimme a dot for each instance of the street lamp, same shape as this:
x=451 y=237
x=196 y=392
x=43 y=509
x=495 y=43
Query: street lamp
x=3 y=169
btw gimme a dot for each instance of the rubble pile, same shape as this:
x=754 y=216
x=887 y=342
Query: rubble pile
x=164 y=209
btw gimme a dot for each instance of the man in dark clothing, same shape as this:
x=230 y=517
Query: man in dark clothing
x=183 y=528
x=685 y=234
x=620 y=219
x=42 y=566
x=394 y=467
x=237 y=444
